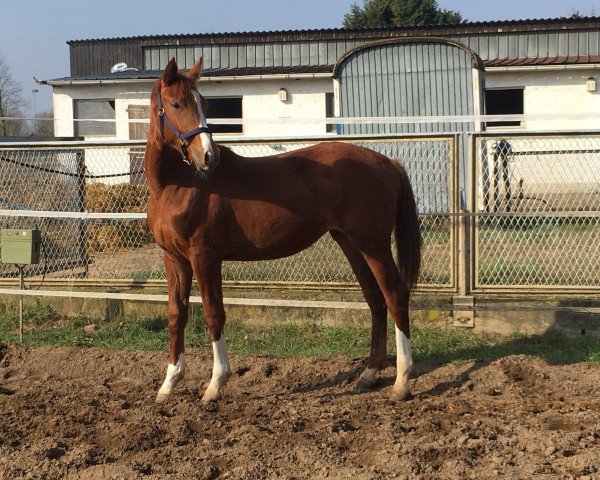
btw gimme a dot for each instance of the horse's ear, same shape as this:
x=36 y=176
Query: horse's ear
x=170 y=74
x=194 y=72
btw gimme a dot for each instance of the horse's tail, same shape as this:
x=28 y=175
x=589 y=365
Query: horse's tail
x=408 y=235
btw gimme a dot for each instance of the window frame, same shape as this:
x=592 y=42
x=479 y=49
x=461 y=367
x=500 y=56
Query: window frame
x=509 y=124
x=88 y=128
x=217 y=128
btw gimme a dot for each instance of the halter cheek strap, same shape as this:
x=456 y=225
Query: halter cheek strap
x=162 y=118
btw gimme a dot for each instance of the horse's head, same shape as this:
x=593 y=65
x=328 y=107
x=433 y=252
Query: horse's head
x=181 y=113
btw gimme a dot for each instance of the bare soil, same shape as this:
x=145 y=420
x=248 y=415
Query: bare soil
x=89 y=414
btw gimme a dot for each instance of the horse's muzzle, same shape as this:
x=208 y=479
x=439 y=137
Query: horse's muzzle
x=208 y=160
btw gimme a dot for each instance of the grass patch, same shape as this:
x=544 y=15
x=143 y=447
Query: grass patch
x=428 y=344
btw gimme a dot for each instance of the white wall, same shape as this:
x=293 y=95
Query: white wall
x=123 y=94
x=260 y=102
x=545 y=92
x=552 y=92
x=306 y=101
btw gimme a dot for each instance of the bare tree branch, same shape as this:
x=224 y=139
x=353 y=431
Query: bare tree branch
x=12 y=102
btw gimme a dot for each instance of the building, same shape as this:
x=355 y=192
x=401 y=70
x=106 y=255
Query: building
x=288 y=75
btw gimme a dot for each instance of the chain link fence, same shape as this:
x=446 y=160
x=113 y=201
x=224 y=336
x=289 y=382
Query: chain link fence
x=106 y=238
x=537 y=206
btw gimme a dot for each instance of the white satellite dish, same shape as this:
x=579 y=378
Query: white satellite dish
x=119 y=67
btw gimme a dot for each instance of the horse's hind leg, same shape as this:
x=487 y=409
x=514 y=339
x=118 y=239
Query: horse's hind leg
x=208 y=275
x=179 y=280
x=396 y=292
x=376 y=302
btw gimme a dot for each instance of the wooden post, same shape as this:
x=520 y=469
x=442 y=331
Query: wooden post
x=466 y=317
x=21 y=286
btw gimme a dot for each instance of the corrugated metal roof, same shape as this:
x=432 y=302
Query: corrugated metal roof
x=518 y=42
x=308 y=69
x=341 y=33
x=559 y=60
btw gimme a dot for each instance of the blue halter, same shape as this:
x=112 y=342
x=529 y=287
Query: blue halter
x=162 y=116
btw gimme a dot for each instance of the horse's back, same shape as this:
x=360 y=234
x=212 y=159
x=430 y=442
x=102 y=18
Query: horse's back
x=331 y=153
x=356 y=188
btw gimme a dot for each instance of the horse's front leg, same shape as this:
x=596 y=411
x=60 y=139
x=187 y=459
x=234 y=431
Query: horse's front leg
x=208 y=275
x=179 y=281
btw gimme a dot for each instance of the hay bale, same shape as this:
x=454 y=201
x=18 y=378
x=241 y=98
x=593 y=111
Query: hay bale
x=117 y=235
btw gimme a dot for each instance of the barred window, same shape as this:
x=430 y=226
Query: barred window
x=225 y=108
x=506 y=101
x=97 y=109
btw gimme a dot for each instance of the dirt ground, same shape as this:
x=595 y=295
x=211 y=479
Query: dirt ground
x=89 y=414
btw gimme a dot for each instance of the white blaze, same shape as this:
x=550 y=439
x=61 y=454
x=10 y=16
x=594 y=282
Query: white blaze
x=204 y=137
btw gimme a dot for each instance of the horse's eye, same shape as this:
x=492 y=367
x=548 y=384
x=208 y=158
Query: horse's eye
x=175 y=105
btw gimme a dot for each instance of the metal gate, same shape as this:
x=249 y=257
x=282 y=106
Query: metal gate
x=536 y=208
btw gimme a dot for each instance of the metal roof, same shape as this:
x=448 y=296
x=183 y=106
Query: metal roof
x=562 y=41
x=564 y=23
x=206 y=72
x=306 y=69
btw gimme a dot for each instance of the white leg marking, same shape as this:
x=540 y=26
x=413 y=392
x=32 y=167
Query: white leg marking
x=221 y=370
x=174 y=374
x=404 y=364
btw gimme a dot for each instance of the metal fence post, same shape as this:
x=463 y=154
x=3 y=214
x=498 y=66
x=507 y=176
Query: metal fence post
x=464 y=302
x=82 y=203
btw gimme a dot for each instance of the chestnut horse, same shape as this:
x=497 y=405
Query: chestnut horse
x=208 y=204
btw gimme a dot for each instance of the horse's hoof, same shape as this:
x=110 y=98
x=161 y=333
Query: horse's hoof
x=367 y=379
x=211 y=396
x=365 y=383
x=162 y=397
x=399 y=395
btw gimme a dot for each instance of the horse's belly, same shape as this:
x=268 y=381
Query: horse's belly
x=272 y=243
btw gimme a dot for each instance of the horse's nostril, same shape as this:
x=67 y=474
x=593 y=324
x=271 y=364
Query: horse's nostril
x=207 y=158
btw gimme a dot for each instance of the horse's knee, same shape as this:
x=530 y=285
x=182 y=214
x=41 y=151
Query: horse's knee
x=215 y=324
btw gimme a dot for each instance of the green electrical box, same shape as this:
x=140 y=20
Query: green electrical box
x=21 y=246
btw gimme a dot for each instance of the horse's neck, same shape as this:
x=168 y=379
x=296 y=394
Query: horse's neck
x=153 y=160
x=164 y=167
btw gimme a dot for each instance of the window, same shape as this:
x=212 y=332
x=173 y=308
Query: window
x=330 y=112
x=507 y=101
x=94 y=110
x=225 y=108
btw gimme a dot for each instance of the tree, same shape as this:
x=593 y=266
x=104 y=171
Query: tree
x=399 y=13
x=12 y=103
x=578 y=15
x=44 y=127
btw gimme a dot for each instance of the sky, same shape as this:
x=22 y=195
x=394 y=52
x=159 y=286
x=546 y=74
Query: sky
x=33 y=33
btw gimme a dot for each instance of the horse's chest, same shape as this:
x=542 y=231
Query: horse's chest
x=175 y=220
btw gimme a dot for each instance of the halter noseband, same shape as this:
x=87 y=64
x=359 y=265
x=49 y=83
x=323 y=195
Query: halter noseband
x=162 y=117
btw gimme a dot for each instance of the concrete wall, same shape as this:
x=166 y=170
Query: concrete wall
x=260 y=101
x=553 y=91
x=268 y=116
x=494 y=315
